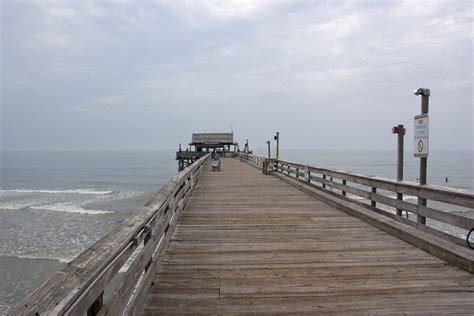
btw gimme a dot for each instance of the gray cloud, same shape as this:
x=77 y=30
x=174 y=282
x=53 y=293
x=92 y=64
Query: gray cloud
x=101 y=74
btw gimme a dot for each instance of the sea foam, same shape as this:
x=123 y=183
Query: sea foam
x=31 y=257
x=68 y=208
x=73 y=191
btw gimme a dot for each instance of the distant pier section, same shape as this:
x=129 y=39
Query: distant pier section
x=203 y=143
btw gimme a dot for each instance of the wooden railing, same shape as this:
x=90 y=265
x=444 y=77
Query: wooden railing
x=256 y=160
x=372 y=192
x=91 y=284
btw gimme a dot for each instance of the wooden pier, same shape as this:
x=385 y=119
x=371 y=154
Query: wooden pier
x=269 y=236
x=250 y=243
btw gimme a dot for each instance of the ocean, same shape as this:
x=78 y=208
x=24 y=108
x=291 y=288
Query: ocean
x=55 y=204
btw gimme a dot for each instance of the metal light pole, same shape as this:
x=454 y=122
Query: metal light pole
x=268 y=145
x=277 y=138
x=400 y=130
x=422 y=147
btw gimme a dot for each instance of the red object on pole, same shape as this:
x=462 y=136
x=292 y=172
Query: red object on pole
x=395 y=130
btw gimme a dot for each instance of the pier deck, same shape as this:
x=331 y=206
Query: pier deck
x=248 y=242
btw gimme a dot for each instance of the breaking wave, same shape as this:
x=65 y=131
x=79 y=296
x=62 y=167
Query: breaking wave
x=57 y=207
x=74 y=191
x=60 y=259
x=68 y=208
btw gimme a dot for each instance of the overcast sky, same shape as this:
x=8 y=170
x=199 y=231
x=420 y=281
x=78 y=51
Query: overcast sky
x=139 y=74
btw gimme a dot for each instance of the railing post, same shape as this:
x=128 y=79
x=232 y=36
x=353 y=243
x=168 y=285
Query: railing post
x=96 y=306
x=344 y=192
x=400 y=130
x=324 y=184
x=425 y=98
x=297 y=173
x=308 y=175
x=373 y=203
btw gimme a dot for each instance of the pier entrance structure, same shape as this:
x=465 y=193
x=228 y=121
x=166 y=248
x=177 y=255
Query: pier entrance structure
x=271 y=236
x=202 y=143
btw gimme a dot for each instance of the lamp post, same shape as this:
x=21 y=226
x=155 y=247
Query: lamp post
x=268 y=145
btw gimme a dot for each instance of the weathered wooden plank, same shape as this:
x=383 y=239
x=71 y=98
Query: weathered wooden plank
x=350 y=303
x=392 y=270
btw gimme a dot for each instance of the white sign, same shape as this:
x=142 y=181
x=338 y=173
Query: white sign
x=420 y=143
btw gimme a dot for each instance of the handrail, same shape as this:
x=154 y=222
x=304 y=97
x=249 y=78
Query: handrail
x=79 y=288
x=343 y=182
x=254 y=159
x=460 y=197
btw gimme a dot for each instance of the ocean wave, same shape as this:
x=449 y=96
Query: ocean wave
x=11 y=206
x=72 y=191
x=68 y=208
x=32 y=257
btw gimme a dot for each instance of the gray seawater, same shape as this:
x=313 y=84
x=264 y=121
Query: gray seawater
x=55 y=204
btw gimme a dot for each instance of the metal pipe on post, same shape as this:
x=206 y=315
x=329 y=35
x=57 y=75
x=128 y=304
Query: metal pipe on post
x=277 y=138
x=400 y=130
x=372 y=202
x=421 y=143
x=277 y=154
